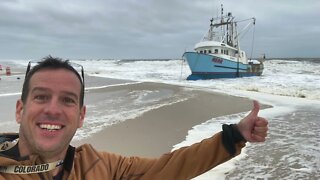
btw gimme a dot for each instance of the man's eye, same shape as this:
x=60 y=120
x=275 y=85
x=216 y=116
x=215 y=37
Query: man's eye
x=69 y=101
x=41 y=98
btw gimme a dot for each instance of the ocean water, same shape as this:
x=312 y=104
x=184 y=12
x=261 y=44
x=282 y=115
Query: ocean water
x=291 y=86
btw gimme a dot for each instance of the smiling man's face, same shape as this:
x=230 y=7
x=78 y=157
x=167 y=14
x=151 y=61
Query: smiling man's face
x=51 y=114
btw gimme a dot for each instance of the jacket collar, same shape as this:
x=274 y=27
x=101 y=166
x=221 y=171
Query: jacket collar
x=13 y=152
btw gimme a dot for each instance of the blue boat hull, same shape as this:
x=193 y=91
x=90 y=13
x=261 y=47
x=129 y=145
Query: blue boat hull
x=207 y=66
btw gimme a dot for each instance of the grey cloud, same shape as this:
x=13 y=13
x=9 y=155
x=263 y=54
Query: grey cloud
x=148 y=28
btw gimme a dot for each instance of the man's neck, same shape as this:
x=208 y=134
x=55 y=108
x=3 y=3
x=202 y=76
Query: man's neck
x=45 y=156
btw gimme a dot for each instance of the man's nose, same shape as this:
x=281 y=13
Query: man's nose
x=53 y=107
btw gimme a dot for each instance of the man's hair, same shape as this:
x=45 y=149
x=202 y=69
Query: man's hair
x=50 y=62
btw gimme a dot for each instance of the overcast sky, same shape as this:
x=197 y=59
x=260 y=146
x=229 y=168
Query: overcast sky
x=150 y=28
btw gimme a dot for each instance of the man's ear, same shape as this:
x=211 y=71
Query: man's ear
x=82 y=115
x=19 y=111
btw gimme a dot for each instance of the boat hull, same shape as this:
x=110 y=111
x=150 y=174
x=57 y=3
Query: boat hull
x=208 y=66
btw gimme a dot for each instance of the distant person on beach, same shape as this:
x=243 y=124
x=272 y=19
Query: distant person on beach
x=50 y=111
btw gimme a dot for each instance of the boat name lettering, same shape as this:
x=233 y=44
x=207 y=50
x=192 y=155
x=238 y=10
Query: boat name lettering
x=217 y=60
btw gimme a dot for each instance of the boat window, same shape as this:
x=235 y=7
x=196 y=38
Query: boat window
x=209 y=51
x=201 y=52
x=205 y=51
x=221 y=51
x=227 y=52
x=216 y=51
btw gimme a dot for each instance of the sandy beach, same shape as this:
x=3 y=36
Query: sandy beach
x=156 y=131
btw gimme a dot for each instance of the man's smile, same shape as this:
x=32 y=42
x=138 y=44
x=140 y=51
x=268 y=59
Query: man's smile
x=50 y=127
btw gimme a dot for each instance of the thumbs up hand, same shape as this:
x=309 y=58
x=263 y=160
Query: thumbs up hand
x=252 y=127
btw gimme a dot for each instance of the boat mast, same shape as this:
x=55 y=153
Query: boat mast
x=221 y=22
x=211 y=32
x=230 y=30
x=239 y=53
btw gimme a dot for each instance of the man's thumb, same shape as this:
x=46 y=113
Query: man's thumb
x=255 y=109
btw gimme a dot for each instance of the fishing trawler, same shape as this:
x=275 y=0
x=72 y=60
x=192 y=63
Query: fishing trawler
x=218 y=54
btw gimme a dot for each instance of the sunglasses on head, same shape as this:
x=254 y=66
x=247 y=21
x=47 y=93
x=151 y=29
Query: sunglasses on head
x=76 y=67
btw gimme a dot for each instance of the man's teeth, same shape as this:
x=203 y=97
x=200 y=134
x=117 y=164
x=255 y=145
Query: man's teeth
x=50 y=127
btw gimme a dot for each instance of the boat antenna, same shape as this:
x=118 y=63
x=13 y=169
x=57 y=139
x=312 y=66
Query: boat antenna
x=221 y=13
x=252 y=43
x=222 y=21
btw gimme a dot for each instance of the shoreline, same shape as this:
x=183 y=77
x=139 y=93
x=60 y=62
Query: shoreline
x=156 y=131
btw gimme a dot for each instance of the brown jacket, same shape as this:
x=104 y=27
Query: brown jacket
x=85 y=162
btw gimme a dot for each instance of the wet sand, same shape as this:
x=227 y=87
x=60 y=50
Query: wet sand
x=156 y=131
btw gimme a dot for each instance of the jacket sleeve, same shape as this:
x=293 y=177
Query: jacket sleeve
x=184 y=163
